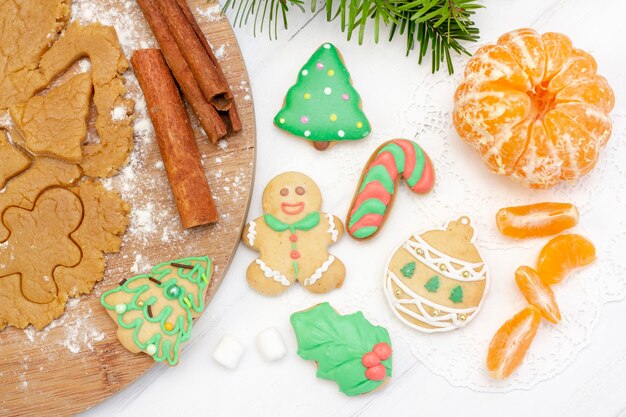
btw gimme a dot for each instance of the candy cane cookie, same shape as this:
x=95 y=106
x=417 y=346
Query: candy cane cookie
x=376 y=191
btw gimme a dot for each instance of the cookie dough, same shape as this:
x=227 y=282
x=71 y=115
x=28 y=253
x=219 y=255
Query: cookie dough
x=100 y=44
x=44 y=234
x=55 y=124
x=28 y=27
x=13 y=162
x=104 y=221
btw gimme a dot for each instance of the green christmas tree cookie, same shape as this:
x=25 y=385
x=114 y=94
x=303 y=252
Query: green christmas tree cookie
x=154 y=312
x=348 y=349
x=323 y=106
x=456 y=295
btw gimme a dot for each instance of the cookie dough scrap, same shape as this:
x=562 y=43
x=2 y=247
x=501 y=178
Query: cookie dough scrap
x=101 y=45
x=12 y=160
x=23 y=190
x=42 y=233
x=55 y=124
x=104 y=221
x=27 y=27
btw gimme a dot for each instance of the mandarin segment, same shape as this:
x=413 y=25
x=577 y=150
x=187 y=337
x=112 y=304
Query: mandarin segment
x=558 y=49
x=511 y=342
x=495 y=63
x=537 y=293
x=562 y=255
x=594 y=91
x=534 y=108
x=536 y=220
x=539 y=166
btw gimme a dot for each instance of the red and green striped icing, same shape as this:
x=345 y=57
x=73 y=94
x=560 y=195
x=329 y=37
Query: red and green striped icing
x=392 y=160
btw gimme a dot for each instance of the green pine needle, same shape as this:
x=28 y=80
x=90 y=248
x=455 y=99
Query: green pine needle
x=438 y=26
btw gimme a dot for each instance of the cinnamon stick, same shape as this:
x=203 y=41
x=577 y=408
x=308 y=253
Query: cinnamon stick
x=214 y=88
x=232 y=116
x=175 y=138
x=208 y=117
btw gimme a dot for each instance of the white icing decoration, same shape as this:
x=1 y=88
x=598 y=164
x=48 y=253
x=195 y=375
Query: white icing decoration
x=319 y=271
x=447 y=319
x=334 y=233
x=328 y=91
x=341 y=133
x=307 y=133
x=305 y=72
x=251 y=233
x=120 y=308
x=151 y=349
x=270 y=273
x=327 y=46
x=455 y=268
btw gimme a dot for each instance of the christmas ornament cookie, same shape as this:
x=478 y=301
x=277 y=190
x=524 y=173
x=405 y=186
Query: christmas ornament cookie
x=376 y=192
x=435 y=281
x=323 y=106
x=347 y=349
x=293 y=238
x=154 y=312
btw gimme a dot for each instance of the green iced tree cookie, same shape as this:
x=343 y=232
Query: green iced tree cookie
x=155 y=311
x=433 y=284
x=408 y=270
x=323 y=106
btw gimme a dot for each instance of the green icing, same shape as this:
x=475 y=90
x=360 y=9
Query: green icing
x=398 y=155
x=332 y=109
x=369 y=206
x=408 y=270
x=456 y=295
x=364 y=232
x=379 y=173
x=420 y=163
x=307 y=223
x=433 y=284
x=337 y=343
x=167 y=342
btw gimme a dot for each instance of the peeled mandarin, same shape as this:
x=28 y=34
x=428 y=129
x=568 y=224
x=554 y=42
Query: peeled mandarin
x=510 y=343
x=534 y=108
x=562 y=255
x=537 y=293
x=536 y=220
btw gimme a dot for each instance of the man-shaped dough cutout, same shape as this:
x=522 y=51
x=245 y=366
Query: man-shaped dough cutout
x=39 y=241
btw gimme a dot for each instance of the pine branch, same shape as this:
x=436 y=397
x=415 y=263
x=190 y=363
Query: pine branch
x=436 y=25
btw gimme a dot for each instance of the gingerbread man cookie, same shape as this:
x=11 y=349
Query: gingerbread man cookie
x=43 y=233
x=293 y=238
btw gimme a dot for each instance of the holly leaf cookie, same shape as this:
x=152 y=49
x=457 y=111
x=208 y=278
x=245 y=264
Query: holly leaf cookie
x=323 y=106
x=348 y=349
x=154 y=312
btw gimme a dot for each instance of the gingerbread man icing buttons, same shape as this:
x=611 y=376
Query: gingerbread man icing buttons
x=435 y=281
x=293 y=238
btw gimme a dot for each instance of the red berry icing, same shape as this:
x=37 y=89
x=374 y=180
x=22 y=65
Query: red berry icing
x=376 y=372
x=370 y=359
x=295 y=254
x=382 y=350
x=293 y=238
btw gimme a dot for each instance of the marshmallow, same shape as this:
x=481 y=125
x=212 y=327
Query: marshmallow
x=228 y=352
x=270 y=344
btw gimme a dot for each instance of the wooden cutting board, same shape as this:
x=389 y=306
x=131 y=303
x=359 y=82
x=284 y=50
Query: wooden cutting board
x=77 y=361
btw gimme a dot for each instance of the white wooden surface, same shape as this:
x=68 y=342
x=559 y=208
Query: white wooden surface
x=593 y=385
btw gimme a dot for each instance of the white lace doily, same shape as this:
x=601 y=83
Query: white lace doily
x=464 y=186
